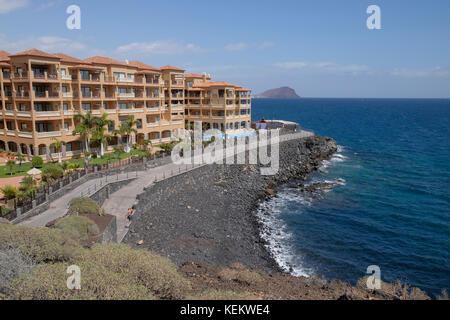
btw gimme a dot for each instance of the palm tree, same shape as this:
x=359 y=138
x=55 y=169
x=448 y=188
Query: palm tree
x=21 y=158
x=126 y=129
x=11 y=164
x=9 y=192
x=99 y=135
x=84 y=127
x=58 y=146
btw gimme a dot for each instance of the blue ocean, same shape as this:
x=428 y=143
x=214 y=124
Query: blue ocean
x=389 y=204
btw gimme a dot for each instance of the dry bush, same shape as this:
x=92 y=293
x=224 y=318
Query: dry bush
x=79 y=228
x=156 y=273
x=48 y=282
x=83 y=205
x=12 y=265
x=113 y=271
x=40 y=244
x=211 y=294
x=242 y=276
x=397 y=290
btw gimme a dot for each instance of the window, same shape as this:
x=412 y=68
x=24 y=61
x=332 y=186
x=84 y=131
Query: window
x=64 y=89
x=66 y=125
x=69 y=146
x=119 y=75
x=10 y=125
x=84 y=75
x=122 y=90
x=111 y=127
x=22 y=107
x=65 y=106
x=86 y=106
x=23 y=127
x=139 y=124
x=122 y=105
x=63 y=72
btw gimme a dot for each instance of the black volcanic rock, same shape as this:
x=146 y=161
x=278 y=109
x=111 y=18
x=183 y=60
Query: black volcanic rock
x=279 y=93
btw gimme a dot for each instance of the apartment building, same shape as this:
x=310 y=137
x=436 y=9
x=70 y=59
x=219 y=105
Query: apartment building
x=41 y=93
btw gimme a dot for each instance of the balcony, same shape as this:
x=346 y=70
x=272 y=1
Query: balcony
x=153 y=124
x=177 y=122
x=155 y=141
x=25 y=134
x=26 y=114
x=176 y=107
x=90 y=95
x=110 y=111
x=218 y=117
x=66 y=77
x=21 y=75
x=41 y=114
x=45 y=95
x=125 y=80
x=22 y=94
x=10 y=132
x=69 y=112
x=131 y=110
x=90 y=78
x=165 y=123
x=9 y=112
x=6 y=75
x=126 y=95
x=45 y=134
x=155 y=109
x=178 y=83
x=45 y=76
x=67 y=94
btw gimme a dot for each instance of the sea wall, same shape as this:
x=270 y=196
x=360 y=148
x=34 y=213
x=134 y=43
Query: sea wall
x=208 y=215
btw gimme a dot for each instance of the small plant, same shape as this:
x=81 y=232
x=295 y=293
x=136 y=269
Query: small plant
x=83 y=205
x=37 y=162
x=11 y=164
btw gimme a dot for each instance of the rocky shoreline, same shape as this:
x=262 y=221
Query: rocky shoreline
x=209 y=215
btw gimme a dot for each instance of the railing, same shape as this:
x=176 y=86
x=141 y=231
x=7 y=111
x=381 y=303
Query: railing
x=155 y=109
x=49 y=134
x=23 y=113
x=177 y=82
x=25 y=134
x=66 y=77
x=126 y=95
x=47 y=193
x=67 y=94
x=21 y=75
x=153 y=124
x=110 y=111
x=47 y=113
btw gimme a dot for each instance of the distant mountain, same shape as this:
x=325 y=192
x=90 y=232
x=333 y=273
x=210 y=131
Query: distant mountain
x=280 y=93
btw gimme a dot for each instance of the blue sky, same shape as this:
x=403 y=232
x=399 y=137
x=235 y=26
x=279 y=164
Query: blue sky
x=320 y=48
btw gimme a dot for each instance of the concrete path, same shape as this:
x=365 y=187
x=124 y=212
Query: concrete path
x=120 y=201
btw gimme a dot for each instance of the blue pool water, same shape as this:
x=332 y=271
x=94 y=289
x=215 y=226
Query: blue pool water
x=390 y=201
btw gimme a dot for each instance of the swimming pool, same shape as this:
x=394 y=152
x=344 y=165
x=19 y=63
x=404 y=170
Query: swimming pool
x=232 y=135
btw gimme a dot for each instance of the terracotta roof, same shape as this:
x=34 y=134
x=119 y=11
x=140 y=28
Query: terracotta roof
x=216 y=84
x=142 y=66
x=171 y=68
x=34 y=53
x=105 y=61
x=67 y=58
x=86 y=66
x=194 y=75
x=4 y=56
x=4 y=64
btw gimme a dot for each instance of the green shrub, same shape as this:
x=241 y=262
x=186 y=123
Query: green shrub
x=83 y=205
x=37 y=162
x=52 y=172
x=12 y=265
x=40 y=244
x=78 y=228
x=156 y=273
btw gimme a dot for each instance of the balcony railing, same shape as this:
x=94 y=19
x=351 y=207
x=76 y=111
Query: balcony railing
x=44 y=134
x=66 y=77
x=177 y=82
x=21 y=75
x=153 y=124
x=48 y=113
x=25 y=134
x=126 y=95
x=67 y=94
x=155 y=109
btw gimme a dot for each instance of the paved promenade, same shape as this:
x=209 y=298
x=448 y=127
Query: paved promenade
x=118 y=202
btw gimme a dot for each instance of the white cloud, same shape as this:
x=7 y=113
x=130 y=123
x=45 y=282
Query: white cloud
x=11 y=5
x=236 y=46
x=158 y=47
x=323 y=67
x=240 y=46
x=421 y=73
x=50 y=44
